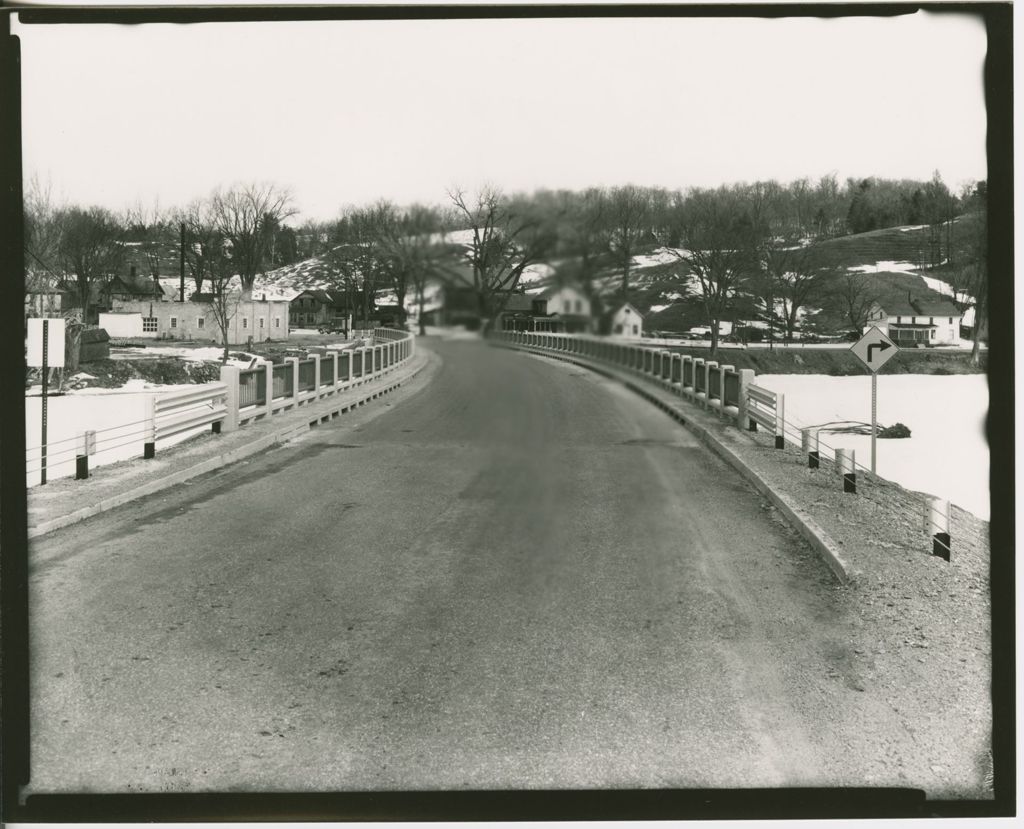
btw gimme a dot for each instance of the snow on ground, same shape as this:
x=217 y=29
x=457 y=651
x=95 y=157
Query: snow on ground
x=947 y=454
x=909 y=228
x=945 y=288
x=211 y=354
x=661 y=256
x=886 y=266
x=116 y=415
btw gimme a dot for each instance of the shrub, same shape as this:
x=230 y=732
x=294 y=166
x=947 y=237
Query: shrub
x=897 y=430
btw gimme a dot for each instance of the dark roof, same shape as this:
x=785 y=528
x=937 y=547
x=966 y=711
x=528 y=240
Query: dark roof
x=936 y=308
x=143 y=287
x=199 y=296
x=914 y=307
x=518 y=302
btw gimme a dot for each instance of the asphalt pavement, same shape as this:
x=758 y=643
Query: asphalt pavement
x=513 y=573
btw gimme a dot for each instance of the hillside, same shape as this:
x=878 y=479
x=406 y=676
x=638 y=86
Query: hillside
x=889 y=260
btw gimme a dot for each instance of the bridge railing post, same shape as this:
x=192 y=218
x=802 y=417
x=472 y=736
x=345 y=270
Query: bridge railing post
x=746 y=379
x=229 y=377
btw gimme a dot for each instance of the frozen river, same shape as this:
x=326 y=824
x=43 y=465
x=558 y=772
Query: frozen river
x=947 y=454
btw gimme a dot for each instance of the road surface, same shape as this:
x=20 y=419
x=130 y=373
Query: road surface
x=513 y=574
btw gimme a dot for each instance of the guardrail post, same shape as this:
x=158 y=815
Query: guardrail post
x=698 y=371
x=88 y=448
x=708 y=402
x=316 y=376
x=809 y=444
x=149 y=437
x=294 y=361
x=362 y=370
x=229 y=377
x=268 y=385
x=780 y=421
x=334 y=358
x=746 y=378
x=721 y=388
x=845 y=461
x=937 y=526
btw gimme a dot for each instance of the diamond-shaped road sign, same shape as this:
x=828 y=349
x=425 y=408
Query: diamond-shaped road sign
x=874 y=349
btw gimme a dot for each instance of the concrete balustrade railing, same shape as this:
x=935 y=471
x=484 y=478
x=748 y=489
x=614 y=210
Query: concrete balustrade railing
x=722 y=389
x=268 y=389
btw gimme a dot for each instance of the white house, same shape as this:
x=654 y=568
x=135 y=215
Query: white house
x=624 y=321
x=914 y=321
x=569 y=304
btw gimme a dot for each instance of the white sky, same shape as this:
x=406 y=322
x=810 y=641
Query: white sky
x=346 y=112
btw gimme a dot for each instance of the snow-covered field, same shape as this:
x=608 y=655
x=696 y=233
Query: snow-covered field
x=947 y=454
x=208 y=353
x=116 y=415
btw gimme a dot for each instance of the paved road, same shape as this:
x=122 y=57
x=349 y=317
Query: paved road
x=514 y=574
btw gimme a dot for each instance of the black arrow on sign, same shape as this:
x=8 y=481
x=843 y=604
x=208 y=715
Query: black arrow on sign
x=879 y=346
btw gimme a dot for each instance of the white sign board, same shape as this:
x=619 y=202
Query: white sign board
x=54 y=343
x=874 y=349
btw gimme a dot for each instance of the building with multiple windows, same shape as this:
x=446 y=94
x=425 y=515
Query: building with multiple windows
x=917 y=322
x=261 y=319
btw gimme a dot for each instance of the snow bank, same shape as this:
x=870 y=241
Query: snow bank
x=885 y=266
x=116 y=415
x=947 y=454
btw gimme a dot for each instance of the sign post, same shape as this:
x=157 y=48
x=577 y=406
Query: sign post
x=874 y=349
x=46 y=351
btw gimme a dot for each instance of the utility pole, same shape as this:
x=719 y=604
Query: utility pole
x=181 y=266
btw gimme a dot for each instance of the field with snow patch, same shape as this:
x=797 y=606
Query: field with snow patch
x=947 y=454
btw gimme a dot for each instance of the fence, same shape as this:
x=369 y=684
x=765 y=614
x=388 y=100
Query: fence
x=241 y=396
x=733 y=396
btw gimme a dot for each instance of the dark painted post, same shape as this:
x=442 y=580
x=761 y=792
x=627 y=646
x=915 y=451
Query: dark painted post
x=845 y=460
x=809 y=443
x=938 y=527
x=82 y=460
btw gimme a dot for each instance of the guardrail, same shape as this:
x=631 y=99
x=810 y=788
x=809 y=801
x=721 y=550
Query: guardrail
x=719 y=388
x=265 y=390
x=733 y=395
x=241 y=396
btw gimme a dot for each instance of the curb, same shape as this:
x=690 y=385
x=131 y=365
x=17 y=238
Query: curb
x=210 y=464
x=807 y=527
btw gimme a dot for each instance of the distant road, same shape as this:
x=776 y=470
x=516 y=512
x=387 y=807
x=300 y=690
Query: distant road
x=516 y=575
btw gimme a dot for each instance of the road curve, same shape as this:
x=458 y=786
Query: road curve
x=517 y=574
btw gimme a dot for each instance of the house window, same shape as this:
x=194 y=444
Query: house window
x=245 y=322
x=277 y=322
x=149 y=324
x=899 y=320
x=636 y=330
x=174 y=322
x=565 y=306
x=931 y=334
x=263 y=322
x=950 y=320
x=200 y=323
x=931 y=320
x=579 y=306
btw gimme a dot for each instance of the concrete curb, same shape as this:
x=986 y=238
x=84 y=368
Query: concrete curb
x=807 y=527
x=281 y=436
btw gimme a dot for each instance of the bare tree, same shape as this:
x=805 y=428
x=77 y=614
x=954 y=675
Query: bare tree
x=220 y=270
x=855 y=294
x=721 y=245
x=629 y=221
x=503 y=245
x=89 y=249
x=204 y=242
x=241 y=215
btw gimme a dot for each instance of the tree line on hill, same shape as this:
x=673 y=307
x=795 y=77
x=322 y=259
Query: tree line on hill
x=769 y=242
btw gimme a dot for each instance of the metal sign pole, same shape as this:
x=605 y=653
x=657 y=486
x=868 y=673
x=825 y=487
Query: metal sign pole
x=46 y=372
x=874 y=422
